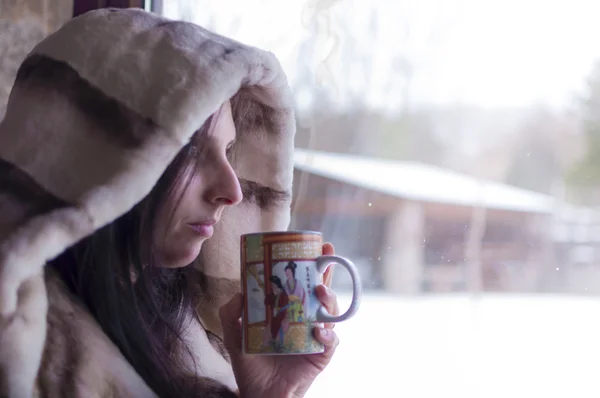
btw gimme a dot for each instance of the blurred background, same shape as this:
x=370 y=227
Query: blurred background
x=451 y=148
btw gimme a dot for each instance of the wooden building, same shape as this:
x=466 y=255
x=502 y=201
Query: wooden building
x=414 y=228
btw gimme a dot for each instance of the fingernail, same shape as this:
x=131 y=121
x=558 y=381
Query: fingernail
x=326 y=333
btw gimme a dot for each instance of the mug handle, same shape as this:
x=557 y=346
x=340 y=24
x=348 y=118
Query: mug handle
x=322 y=263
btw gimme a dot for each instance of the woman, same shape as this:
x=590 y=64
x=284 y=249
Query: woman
x=134 y=152
x=280 y=302
x=293 y=287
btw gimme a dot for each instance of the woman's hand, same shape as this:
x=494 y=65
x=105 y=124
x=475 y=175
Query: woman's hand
x=278 y=376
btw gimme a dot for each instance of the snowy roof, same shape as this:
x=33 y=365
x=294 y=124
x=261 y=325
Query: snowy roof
x=418 y=181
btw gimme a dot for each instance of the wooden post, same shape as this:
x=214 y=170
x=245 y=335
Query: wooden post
x=403 y=262
x=474 y=243
x=473 y=249
x=268 y=268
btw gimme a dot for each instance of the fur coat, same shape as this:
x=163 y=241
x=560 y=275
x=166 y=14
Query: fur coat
x=97 y=112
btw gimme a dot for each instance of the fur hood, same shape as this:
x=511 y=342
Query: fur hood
x=97 y=112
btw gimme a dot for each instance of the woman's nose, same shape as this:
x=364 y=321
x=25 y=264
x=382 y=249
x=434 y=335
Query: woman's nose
x=226 y=188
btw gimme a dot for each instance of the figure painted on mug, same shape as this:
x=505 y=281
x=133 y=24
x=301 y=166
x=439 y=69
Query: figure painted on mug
x=280 y=302
x=296 y=291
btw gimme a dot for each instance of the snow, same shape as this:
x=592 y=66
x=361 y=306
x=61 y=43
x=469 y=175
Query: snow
x=515 y=346
x=417 y=181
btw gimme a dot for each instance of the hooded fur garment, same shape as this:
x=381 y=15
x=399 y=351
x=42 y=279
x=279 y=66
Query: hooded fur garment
x=98 y=110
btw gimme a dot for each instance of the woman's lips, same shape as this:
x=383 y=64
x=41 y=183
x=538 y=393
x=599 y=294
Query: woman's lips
x=204 y=229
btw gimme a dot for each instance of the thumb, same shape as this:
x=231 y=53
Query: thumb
x=231 y=323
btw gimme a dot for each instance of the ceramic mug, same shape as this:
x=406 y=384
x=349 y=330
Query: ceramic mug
x=279 y=273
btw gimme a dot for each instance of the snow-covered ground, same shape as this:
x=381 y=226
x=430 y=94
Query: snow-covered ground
x=501 y=346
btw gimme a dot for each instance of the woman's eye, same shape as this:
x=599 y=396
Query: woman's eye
x=229 y=151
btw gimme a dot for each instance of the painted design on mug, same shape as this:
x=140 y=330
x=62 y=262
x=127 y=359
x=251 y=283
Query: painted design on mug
x=294 y=249
x=254 y=249
x=281 y=305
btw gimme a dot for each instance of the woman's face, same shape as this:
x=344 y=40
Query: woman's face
x=187 y=219
x=289 y=273
x=275 y=288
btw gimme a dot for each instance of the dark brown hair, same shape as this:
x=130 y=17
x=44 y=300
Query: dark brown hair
x=276 y=281
x=292 y=267
x=142 y=307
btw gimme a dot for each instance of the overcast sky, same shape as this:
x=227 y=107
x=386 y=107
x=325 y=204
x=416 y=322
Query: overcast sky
x=483 y=52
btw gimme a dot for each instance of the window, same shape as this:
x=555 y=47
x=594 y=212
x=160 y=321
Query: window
x=452 y=156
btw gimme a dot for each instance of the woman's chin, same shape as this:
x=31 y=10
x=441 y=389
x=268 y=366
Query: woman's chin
x=184 y=257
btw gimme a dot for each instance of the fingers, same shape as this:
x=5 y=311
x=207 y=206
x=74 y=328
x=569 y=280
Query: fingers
x=231 y=323
x=328 y=298
x=328 y=275
x=328 y=250
x=328 y=338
